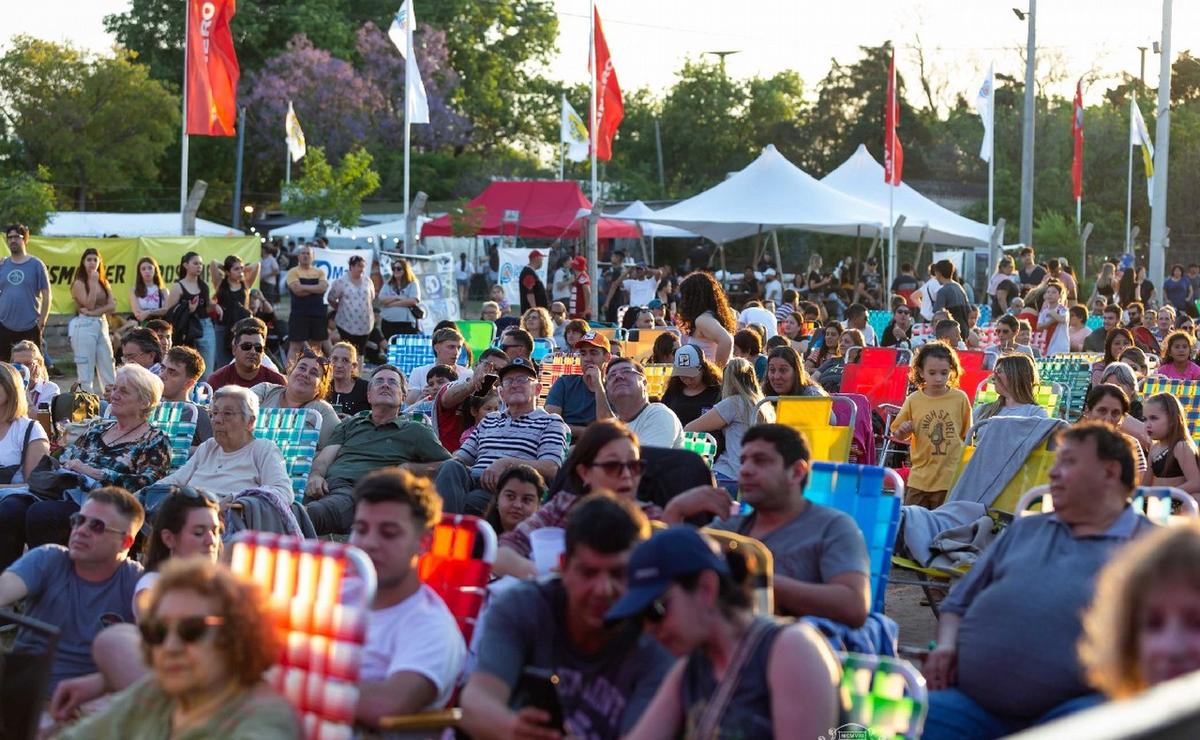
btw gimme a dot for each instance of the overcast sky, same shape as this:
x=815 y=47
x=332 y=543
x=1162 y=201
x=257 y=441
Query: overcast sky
x=650 y=39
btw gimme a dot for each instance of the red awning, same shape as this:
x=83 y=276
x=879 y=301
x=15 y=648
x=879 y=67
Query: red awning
x=537 y=209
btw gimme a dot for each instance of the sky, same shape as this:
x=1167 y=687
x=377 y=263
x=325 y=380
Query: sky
x=651 y=39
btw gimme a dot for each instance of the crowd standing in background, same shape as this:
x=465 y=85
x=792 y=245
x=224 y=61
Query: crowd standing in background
x=585 y=430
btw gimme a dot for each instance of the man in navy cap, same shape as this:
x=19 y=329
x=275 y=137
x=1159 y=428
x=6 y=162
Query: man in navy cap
x=522 y=433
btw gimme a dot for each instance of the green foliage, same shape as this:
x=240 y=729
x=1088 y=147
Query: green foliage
x=27 y=199
x=466 y=220
x=98 y=124
x=329 y=194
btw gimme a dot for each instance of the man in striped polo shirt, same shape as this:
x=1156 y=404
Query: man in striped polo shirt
x=522 y=433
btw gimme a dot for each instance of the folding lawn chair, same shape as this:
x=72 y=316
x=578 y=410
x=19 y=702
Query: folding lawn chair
x=887 y=696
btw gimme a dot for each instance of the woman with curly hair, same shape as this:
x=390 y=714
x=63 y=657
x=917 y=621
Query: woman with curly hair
x=208 y=637
x=1141 y=629
x=705 y=317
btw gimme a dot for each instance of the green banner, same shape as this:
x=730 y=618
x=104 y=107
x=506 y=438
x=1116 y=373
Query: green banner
x=121 y=256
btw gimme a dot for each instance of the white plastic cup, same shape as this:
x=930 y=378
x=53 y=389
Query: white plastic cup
x=548 y=544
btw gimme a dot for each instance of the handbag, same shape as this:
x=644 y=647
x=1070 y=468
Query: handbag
x=417 y=311
x=8 y=472
x=50 y=480
x=75 y=405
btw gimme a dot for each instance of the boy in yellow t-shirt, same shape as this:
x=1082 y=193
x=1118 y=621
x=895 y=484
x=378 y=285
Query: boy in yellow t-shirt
x=936 y=417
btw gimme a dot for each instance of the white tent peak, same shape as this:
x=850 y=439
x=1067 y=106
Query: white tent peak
x=639 y=213
x=862 y=177
x=771 y=193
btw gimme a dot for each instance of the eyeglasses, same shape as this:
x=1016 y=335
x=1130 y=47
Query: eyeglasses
x=620 y=373
x=250 y=347
x=189 y=629
x=616 y=467
x=515 y=379
x=95 y=526
x=657 y=611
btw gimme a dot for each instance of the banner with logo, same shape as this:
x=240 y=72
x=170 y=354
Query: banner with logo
x=336 y=262
x=512 y=261
x=439 y=293
x=121 y=256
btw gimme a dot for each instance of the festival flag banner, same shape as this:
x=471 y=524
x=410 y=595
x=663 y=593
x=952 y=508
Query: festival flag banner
x=1139 y=135
x=610 y=108
x=1077 y=135
x=416 y=101
x=985 y=106
x=573 y=134
x=439 y=292
x=295 y=135
x=212 y=69
x=893 y=153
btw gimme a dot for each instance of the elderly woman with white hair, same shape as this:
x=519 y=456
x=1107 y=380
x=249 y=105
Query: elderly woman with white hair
x=126 y=451
x=234 y=460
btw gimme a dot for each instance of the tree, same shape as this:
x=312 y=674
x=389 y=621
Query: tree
x=332 y=194
x=98 y=124
x=26 y=199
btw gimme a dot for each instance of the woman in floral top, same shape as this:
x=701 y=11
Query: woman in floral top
x=126 y=451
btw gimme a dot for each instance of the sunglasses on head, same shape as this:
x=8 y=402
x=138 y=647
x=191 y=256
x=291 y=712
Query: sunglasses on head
x=190 y=629
x=614 y=467
x=250 y=347
x=195 y=494
x=308 y=354
x=94 y=525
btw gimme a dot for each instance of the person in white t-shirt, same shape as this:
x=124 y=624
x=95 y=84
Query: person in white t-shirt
x=927 y=295
x=562 y=284
x=414 y=652
x=623 y=395
x=754 y=313
x=447 y=345
x=772 y=288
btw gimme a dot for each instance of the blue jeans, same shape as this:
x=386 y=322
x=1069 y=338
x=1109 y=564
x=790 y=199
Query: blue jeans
x=955 y=716
x=206 y=345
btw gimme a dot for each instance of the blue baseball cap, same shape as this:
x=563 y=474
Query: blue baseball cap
x=667 y=556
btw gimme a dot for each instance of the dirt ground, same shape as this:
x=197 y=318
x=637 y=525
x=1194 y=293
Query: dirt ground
x=917 y=623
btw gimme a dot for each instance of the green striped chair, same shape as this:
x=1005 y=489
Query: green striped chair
x=1047 y=395
x=177 y=420
x=296 y=433
x=885 y=696
x=703 y=444
x=1073 y=374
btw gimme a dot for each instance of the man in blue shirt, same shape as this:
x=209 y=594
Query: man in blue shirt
x=24 y=293
x=573 y=397
x=81 y=588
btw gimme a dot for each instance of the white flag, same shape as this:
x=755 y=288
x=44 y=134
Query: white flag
x=294 y=135
x=985 y=105
x=573 y=135
x=1139 y=135
x=416 y=102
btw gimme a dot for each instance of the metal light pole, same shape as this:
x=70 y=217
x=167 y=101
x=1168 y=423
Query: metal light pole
x=1158 y=206
x=1026 y=227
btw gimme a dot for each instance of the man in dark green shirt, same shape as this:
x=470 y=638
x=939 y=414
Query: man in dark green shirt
x=364 y=442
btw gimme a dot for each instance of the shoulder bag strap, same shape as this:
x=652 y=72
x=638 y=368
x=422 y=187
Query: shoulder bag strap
x=708 y=726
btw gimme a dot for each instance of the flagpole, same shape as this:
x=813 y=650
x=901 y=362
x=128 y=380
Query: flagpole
x=183 y=166
x=288 y=169
x=593 y=226
x=1078 y=214
x=1129 y=185
x=408 y=62
x=562 y=145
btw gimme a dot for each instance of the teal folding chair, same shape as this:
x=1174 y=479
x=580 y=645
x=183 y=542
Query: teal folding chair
x=296 y=433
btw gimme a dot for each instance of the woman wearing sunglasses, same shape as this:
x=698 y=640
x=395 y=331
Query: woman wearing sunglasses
x=606 y=458
x=187 y=524
x=740 y=675
x=307 y=386
x=207 y=637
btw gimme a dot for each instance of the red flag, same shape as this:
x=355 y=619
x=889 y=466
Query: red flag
x=893 y=153
x=212 y=68
x=1077 y=133
x=609 y=107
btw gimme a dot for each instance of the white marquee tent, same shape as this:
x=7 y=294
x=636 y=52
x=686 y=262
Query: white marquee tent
x=862 y=177
x=356 y=237
x=771 y=193
x=92 y=223
x=638 y=212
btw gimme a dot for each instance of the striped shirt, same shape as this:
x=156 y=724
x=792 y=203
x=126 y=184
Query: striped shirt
x=534 y=436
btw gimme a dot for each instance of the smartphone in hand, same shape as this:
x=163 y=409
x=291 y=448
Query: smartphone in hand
x=541 y=690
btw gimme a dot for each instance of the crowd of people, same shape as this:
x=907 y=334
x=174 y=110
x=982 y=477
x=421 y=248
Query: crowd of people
x=648 y=626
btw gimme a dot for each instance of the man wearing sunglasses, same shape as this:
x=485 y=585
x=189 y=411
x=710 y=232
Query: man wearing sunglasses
x=368 y=441
x=607 y=675
x=247 y=369
x=623 y=395
x=81 y=588
x=522 y=433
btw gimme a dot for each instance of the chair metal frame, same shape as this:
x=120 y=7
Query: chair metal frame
x=881 y=684
x=1142 y=496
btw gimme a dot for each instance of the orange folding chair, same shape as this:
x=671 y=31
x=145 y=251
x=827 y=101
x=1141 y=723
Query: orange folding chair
x=319 y=593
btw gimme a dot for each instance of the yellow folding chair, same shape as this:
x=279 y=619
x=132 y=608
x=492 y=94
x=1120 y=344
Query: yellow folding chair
x=813 y=415
x=657 y=377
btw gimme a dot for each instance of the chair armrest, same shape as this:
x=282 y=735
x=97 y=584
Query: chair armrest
x=432 y=720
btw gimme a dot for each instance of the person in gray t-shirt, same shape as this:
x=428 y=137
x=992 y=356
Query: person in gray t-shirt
x=606 y=675
x=821 y=563
x=81 y=589
x=24 y=293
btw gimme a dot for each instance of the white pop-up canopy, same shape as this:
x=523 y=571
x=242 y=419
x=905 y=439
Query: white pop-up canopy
x=93 y=223
x=771 y=193
x=862 y=177
x=638 y=212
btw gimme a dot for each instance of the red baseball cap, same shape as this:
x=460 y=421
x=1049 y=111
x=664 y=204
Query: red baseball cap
x=535 y=253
